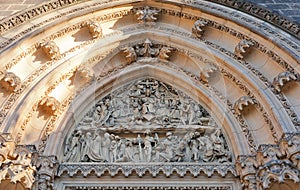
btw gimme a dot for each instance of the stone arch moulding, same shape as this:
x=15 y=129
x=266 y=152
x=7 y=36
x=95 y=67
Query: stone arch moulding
x=61 y=58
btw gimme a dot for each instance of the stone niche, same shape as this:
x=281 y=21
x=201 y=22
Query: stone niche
x=147 y=121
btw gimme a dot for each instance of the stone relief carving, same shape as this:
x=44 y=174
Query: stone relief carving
x=50 y=49
x=49 y=104
x=241 y=103
x=95 y=29
x=282 y=78
x=147 y=51
x=198 y=28
x=165 y=126
x=242 y=48
x=207 y=71
x=46 y=169
x=16 y=162
x=10 y=81
x=147 y=14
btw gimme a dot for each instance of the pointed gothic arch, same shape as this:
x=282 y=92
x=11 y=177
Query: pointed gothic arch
x=62 y=57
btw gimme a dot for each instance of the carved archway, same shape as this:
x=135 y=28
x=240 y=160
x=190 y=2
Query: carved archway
x=57 y=66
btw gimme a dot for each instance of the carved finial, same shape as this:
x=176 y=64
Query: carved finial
x=163 y=53
x=283 y=78
x=206 y=71
x=242 y=48
x=241 y=103
x=51 y=49
x=10 y=81
x=130 y=54
x=147 y=14
x=49 y=104
x=198 y=28
x=95 y=29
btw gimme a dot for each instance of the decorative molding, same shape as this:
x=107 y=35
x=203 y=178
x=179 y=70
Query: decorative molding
x=50 y=49
x=147 y=14
x=10 y=81
x=95 y=28
x=241 y=103
x=161 y=187
x=49 y=105
x=283 y=78
x=198 y=28
x=242 y=48
x=85 y=169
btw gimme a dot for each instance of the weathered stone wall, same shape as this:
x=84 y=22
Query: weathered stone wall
x=288 y=8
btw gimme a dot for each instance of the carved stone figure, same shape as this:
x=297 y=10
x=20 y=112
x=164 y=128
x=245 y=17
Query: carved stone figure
x=163 y=53
x=154 y=111
x=95 y=29
x=130 y=54
x=50 y=49
x=282 y=78
x=198 y=28
x=147 y=14
x=242 y=48
x=10 y=81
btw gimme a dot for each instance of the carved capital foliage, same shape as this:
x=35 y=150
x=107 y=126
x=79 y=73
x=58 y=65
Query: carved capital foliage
x=241 y=103
x=94 y=28
x=147 y=51
x=50 y=49
x=147 y=14
x=271 y=163
x=198 y=28
x=16 y=162
x=10 y=81
x=283 y=78
x=242 y=48
x=49 y=105
x=46 y=169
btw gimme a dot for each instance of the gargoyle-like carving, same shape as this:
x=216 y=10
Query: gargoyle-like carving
x=206 y=71
x=147 y=51
x=18 y=168
x=283 y=78
x=46 y=169
x=130 y=54
x=95 y=29
x=198 y=28
x=147 y=14
x=50 y=49
x=242 y=48
x=10 y=81
x=49 y=104
x=241 y=103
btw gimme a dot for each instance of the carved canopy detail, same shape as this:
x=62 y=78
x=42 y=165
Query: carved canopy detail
x=147 y=121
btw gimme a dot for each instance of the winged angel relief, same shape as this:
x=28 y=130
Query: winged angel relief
x=147 y=121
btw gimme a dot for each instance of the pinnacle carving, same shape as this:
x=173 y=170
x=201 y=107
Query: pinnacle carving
x=95 y=29
x=10 y=81
x=242 y=48
x=147 y=51
x=283 y=78
x=50 y=49
x=198 y=28
x=49 y=105
x=241 y=103
x=147 y=14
